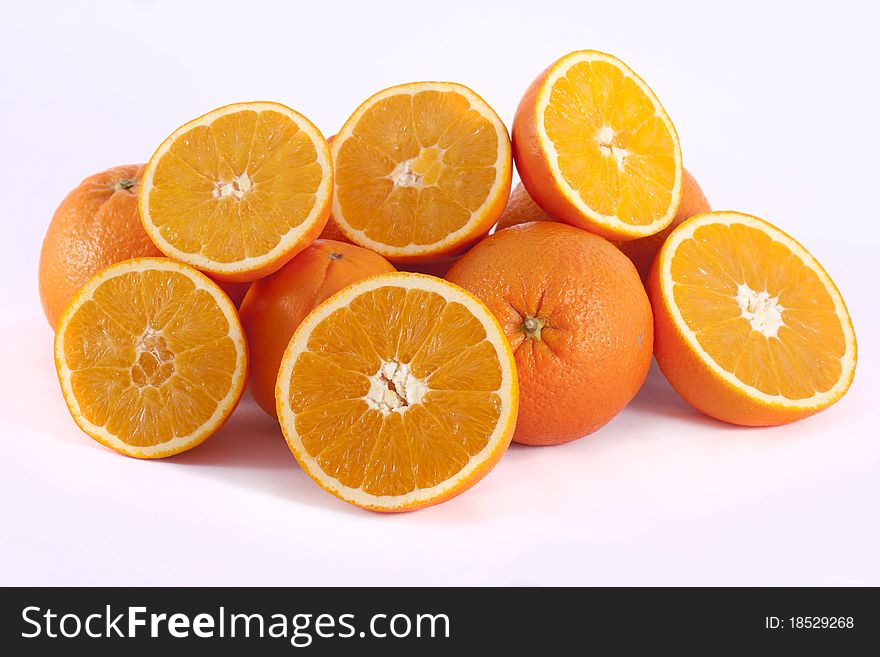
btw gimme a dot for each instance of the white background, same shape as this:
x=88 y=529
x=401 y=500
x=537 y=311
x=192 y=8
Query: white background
x=777 y=109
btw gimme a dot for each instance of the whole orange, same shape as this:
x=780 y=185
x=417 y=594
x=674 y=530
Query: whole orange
x=276 y=305
x=578 y=319
x=97 y=225
x=521 y=208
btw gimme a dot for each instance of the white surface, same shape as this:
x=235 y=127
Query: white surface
x=776 y=107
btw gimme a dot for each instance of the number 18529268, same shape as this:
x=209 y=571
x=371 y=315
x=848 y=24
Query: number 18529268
x=810 y=622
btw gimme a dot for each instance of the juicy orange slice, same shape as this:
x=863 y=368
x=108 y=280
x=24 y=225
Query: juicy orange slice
x=595 y=148
x=398 y=392
x=749 y=327
x=239 y=191
x=422 y=171
x=151 y=357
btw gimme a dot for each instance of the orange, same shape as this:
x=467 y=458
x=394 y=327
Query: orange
x=521 y=208
x=578 y=319
x=238 y=192
x=95 y=226
x=642 y=251
x=438 y=268
x=750 y=329
x=595 y=149
x=331 y=230
x=422 y=171
x=235 y=291
x=151 y=357
x=276 y=305
x=398 y=392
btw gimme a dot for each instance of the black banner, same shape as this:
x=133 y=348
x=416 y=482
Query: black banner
x=435 y=621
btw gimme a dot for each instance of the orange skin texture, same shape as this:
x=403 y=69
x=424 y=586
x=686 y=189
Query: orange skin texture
x=697 y=383
x=595 y=345
x=522 y=208
x=235 y=291
x=333 y=232
x=437 y=269
x=96 y=225
x=276 y=305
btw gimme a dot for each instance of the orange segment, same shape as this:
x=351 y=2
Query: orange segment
x=753 y=329
x=595 y=148
x=422 y=171
x=151 y=357
x=238 y=191
x=398 y=392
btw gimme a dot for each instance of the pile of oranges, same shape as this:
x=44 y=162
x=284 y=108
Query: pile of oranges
x=401 y=313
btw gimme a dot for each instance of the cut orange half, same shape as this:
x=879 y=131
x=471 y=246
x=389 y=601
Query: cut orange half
x=748 y=326
x=398 y=392
x=594 y=148
x=238 y=192
x=151 y=357
x=422 y=171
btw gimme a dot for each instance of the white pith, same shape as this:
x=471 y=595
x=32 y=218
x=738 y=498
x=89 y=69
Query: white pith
x=224 y=406
x=236 y=188
x=394 y=388
x=502 y=168
x=404 y=176
x=606 y=134
x=287 y=241
x=299 y=344
x=605 y=137
x=762 y=311
x=686 y=231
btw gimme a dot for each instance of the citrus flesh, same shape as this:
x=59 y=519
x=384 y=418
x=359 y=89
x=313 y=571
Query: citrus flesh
x=595 y=148
x=422 y=171
x=239 y=191
x=398 y=392
x=749 y=327
x=151 y=357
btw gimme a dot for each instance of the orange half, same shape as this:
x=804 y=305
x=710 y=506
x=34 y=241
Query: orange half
x=422 y=171
x=398 y=392
x=238 y=192
x=595 y=148
x=749 y=328
x=151 y=357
